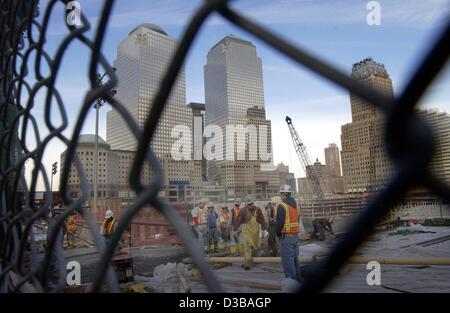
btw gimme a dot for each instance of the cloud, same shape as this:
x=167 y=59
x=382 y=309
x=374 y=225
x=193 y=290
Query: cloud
x=410 y=13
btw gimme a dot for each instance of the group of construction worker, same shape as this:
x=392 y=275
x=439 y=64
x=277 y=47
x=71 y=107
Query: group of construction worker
x=245 y=226
x=69 y=229
x=70 y=226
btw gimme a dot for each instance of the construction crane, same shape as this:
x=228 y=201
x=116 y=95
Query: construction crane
x=310 y=170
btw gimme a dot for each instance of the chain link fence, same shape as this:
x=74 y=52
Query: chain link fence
x=409 y=141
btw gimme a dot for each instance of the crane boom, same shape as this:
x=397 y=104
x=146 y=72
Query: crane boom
x=310 y=171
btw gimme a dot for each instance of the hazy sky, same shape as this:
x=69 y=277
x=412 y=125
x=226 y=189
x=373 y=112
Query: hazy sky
x=336 y=31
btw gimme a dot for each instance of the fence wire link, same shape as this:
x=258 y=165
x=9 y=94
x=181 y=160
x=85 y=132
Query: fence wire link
x=408 y=138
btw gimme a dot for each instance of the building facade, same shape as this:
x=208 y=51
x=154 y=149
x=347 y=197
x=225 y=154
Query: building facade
x=234 y=98
x=440 y=124
x=286 y=178
x=329 y=182
x=333 y=160
x=365 y=164
x=111 y=176
x=142 y=58
x=198 y=140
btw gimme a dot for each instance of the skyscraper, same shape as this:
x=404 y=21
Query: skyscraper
x=142 y=58
x=332 y=159
x=198 y=141
x=440 y=124
x=234 y=95
x=286 y=178
x=365 y=164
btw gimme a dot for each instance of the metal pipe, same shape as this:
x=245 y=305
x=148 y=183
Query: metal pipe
x=352 y=260
x=97 y=108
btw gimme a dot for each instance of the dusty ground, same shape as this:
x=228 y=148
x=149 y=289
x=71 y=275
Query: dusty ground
x=394 y=278
x=268 y=278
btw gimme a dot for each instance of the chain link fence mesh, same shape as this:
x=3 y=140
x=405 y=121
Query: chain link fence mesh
x=409 y=141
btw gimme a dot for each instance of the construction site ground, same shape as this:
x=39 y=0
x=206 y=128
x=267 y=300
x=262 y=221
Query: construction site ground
x=352 y=278
x=145 y=259
x=268 y=277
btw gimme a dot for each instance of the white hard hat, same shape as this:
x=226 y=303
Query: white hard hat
x=237 y=201
x=109 y=214
x=210 y=205
x=249 y=199
x=285 y=188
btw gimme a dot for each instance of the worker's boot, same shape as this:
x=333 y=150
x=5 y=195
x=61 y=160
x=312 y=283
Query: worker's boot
x=216 y=247
x=247 y=264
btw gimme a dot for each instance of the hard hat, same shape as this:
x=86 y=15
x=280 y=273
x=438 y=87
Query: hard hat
x=210 y=205
x=202 y=201
x=285 y=188
x=330 y=220
x=237 y=201
x=249 y=199
x=109 y=214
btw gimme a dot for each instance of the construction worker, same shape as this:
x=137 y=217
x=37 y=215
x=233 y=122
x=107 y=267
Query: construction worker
x=213 y=232
x=71 y=226
x=224 y=224
x=321 y=226
x=288 y=229
x=108 y=225
x=199 y=221
x=54 y=216
x=235 y=235
x=272 y=227
x=249 y=217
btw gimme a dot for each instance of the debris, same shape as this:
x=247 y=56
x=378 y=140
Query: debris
x=137 y=288
x=429 y=242
x=418 y=228
x=437 y=222
x=167 y=271
x=123 y=266
x=184 y=288
x=169 y=278
x=289 y=285
x=413 y=229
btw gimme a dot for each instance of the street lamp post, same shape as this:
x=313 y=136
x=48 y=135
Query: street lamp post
x=98 y=104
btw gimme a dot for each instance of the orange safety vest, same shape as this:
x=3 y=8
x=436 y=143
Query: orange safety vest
x=71 y=225
x=290 y=219
x=199 y=216
x=108 y=226
x=235 y=214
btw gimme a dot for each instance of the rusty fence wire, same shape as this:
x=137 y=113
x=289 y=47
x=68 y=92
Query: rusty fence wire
x=409 y=141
